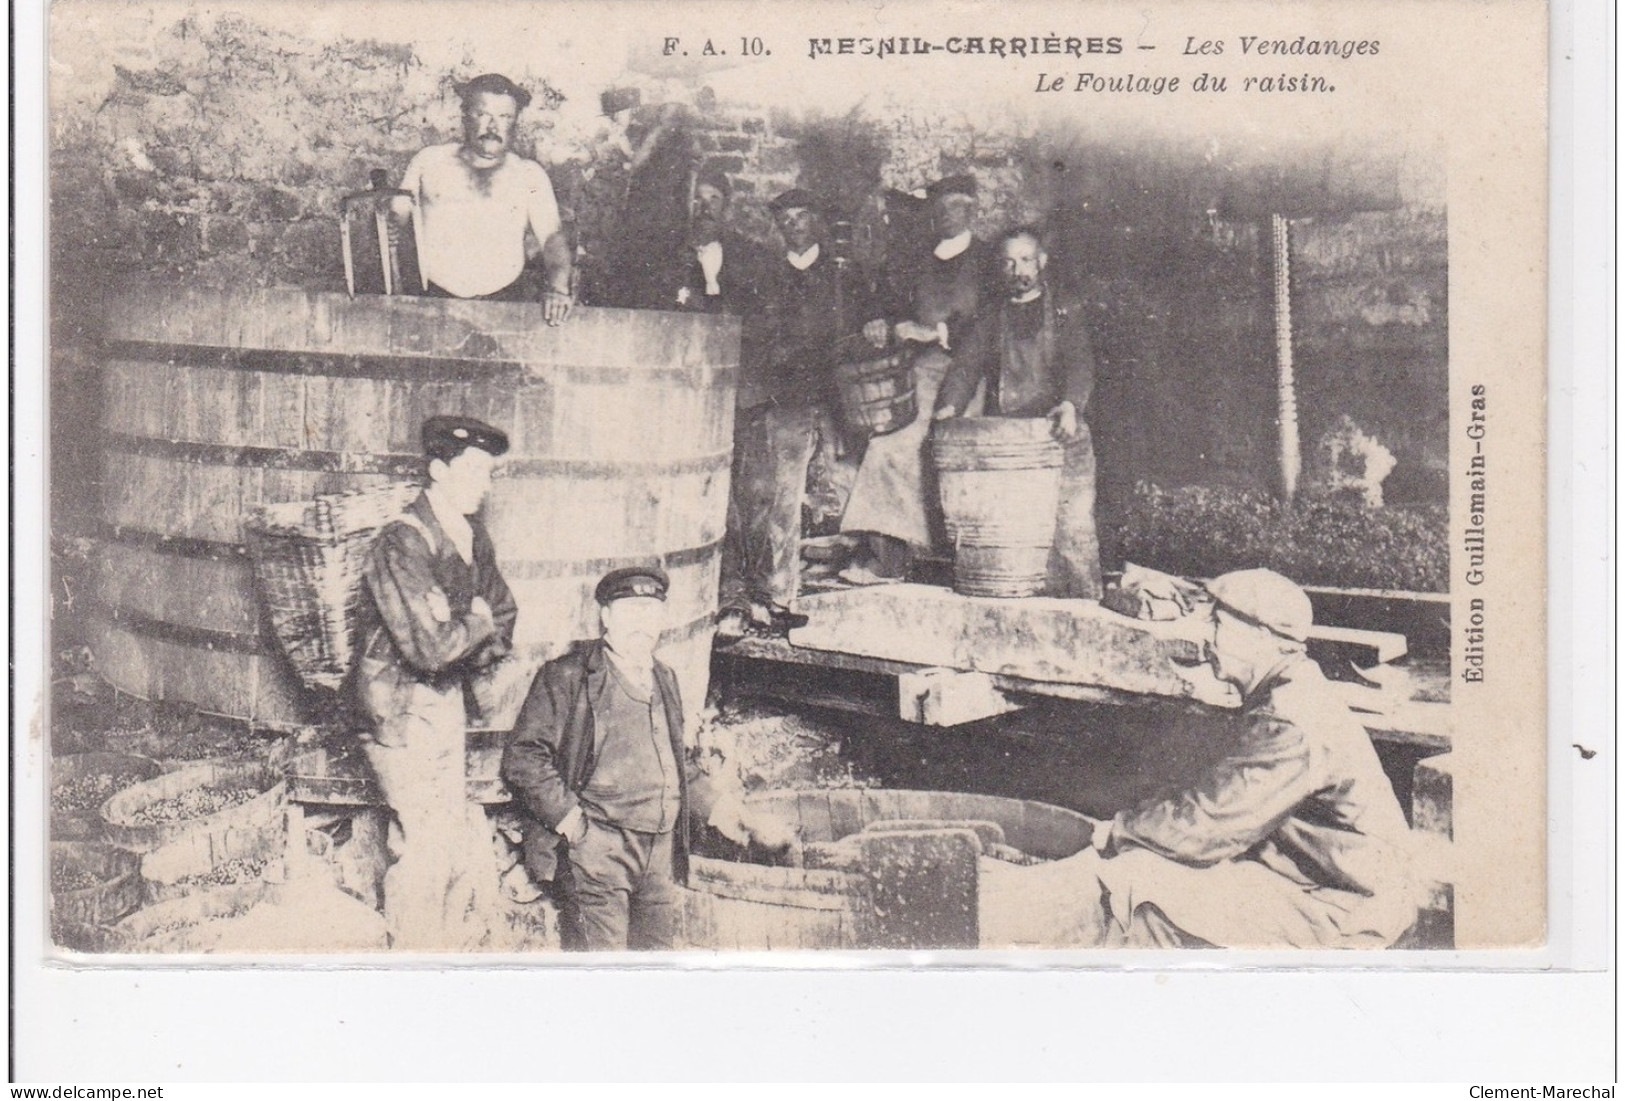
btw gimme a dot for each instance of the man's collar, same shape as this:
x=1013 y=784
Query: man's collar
x=949 y=248
x=801 y=261
x=450 y=520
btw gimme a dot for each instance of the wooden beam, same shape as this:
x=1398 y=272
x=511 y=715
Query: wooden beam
x=773 y=664
x=950 y=697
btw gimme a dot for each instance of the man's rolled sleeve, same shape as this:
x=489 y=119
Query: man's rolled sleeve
x=969 y=366
x=1078 y=355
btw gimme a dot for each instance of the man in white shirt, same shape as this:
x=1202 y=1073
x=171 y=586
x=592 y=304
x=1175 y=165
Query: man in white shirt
x=477 y=198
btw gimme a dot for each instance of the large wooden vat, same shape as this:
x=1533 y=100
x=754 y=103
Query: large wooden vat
x=216 y=402
x=896 y=885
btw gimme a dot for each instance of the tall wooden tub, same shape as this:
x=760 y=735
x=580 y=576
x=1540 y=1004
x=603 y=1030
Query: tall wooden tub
x=1000 y=481
x=621 y=425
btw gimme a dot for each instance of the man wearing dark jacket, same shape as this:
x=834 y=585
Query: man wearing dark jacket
x=1293 y=839
x=439 y=612
x=1030 y=356
x=787 y=385
x=597 y=760
x=718 y=270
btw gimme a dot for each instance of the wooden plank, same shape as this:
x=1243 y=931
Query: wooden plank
x=812 y=809
x=1364 y=648
x=923 y=888
x=845 y=812
x=1044 y=638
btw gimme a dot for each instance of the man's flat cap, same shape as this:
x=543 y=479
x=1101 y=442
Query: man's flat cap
x=632 y=581
x=797 y=198
x=1265 y=599
x=445 y=438
x=495 y=83
x=963 y=184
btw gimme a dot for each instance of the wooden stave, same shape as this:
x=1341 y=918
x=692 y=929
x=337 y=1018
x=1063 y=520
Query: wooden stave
x=745 y=907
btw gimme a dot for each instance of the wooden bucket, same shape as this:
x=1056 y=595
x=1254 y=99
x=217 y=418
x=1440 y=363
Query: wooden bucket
x=838 y=899
x=92 y=887
x=1000 y=482
x=220 y=401
x=877 y=395
x=125 y=827
x=82 y=782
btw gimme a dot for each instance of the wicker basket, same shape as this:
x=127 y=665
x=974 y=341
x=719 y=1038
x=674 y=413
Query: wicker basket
x=309 y=560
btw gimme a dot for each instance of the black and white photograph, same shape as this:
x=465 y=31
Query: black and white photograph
x=546 y=478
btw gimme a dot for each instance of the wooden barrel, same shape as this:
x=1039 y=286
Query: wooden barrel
x=82 y=782
x=92 y=887
x=832 y=901
x=877 y=395
x=1000 y=481
x=217 y=402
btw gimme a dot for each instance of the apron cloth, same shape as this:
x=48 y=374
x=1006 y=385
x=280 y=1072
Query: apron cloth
x=894 y=494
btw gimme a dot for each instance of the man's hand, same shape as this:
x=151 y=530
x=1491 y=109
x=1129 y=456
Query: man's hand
x=1100 y=838
x=767 y=829
x=920 y=334
x=556 y=305
x=574 y=826
x=481 y=607
x=1063 y=422
x=876 y=332
x=947 y=412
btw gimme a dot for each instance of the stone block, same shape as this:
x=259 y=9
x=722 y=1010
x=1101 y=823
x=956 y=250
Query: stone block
x=950 y=697
x=1035 y=638
x=781 y=157
x=1432 y=795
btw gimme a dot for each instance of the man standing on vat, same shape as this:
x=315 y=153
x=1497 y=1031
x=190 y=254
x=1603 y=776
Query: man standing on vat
x=1293 y=839
x=892 y=504
x=788 y=378
x=1031 y=357
x=439 y=612
x=476 y=199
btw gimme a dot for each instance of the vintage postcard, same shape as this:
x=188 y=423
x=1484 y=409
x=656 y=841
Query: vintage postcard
x=543 y=477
